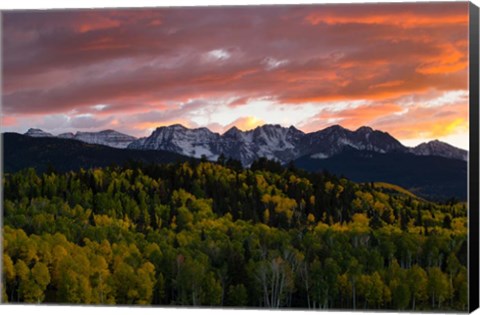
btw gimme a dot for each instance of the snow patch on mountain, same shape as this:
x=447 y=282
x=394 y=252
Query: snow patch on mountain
x=320 y=156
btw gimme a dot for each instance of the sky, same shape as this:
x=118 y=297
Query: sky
x=400 y=68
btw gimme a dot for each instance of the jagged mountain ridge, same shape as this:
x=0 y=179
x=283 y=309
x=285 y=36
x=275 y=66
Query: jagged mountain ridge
x=271 y=141
x=335 y=139
x=178 y=139
x=281 y=143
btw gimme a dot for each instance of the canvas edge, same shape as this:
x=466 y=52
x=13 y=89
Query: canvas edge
x=1 y=157
x=473 y=161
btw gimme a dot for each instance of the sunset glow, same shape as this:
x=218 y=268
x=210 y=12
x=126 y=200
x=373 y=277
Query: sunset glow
x=399 y=68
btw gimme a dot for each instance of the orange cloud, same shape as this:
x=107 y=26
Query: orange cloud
x=96 y=20
x=388 y=84
x=401 y=19
x=451 y=59
x=428 y=123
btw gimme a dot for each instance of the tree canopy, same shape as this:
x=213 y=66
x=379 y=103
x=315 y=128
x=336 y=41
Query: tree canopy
x=202 y=233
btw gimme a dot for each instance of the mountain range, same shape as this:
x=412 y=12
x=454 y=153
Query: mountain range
x=108 y=137
x=434 y=170
x=271 y=141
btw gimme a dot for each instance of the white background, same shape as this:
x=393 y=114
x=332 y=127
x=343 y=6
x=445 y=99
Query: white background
x=77 y=310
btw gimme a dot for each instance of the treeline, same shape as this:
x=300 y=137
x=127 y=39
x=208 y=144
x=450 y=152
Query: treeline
x=217 y=234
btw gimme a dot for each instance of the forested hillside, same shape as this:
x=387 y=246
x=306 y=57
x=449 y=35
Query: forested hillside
x=42 y=154
x=201 y=233
x=432 y=177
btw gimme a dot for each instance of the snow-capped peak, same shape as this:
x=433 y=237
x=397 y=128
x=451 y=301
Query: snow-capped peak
x=35 y=132
x=439 y=148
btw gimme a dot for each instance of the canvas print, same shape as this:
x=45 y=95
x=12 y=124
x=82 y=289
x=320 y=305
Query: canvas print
x=299 y=157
